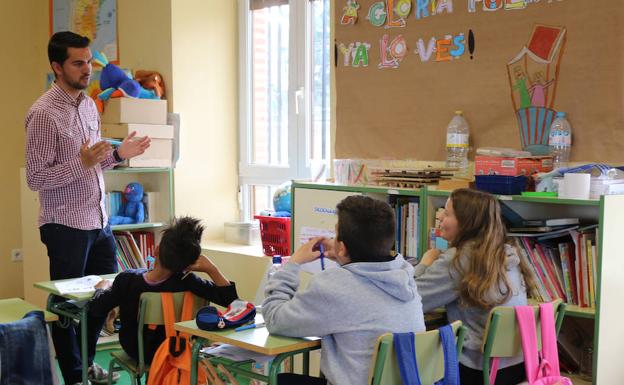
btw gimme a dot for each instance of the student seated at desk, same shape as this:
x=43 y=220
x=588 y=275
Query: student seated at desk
x=349 y=307
x=479 y=271
x=178 y=252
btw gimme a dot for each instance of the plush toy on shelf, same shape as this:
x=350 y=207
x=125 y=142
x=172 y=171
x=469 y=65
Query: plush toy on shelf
x=133 y=210
x=116 y=83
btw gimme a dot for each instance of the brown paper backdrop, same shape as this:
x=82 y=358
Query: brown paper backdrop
x=403 y=113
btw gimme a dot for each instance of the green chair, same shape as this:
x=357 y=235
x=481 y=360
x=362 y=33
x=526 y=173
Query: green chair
x=502 y=336
x=429 y=356
x=150 y=313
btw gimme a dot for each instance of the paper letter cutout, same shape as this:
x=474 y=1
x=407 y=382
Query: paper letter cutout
x=403 y=8
x=442 y=49
x=444 y=5
x=350 y=14
x=472 y=7
x=515 y=4
x=361 y=54
x=425 y=53
x=460 y=46
x=421 y=9
x=392 y=22
x=398 y=48
x=492 y=5
x=387 y=60
x=377 y=14
x=347 y=53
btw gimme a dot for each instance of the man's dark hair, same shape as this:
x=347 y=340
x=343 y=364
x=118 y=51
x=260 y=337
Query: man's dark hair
x=180 y=244
x=367 y=228
x=60 y=41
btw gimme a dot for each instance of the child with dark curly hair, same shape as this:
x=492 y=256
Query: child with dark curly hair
x=178 y=253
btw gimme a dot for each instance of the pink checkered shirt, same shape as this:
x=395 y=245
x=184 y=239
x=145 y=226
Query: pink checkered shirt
x=56 y=126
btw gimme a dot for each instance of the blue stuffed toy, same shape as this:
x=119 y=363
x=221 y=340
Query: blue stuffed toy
x=115 y=83
x=133 y=211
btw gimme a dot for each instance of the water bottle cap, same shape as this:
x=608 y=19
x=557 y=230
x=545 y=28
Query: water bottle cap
x=561 y=114
x=459 y=112
x=277 y=259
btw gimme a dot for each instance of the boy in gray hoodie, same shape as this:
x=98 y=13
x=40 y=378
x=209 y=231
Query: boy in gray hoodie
x=349 y=307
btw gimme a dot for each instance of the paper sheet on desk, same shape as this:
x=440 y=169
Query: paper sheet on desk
x=235 y=353
x=78 y=285
x=307 y=233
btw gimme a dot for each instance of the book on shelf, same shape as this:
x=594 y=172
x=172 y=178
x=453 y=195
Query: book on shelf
x=563 y=266
x=407 y=225
x=551 y=222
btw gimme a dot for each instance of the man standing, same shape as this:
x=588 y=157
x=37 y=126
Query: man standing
x=65 y=157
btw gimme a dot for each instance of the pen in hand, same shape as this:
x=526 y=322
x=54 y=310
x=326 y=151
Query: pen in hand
x=249 y=326
x=322 y=249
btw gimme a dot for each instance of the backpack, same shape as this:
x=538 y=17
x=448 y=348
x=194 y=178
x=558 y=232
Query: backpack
x=405 y=349
x=238 y=313
x=172 y=361
x=541 y=368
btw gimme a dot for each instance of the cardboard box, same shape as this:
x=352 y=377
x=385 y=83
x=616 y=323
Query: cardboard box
x=160 y=131
x=508 y=166
x=131 y=110
x=159 y=154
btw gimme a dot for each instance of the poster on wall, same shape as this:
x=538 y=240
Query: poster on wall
x=95 y=19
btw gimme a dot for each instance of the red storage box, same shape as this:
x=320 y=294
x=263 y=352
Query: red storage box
x=275 y=235
x=509 y=166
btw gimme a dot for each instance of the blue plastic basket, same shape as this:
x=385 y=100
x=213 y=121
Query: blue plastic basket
x=500 y=184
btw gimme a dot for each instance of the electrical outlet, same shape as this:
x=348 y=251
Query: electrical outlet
x=16 y=255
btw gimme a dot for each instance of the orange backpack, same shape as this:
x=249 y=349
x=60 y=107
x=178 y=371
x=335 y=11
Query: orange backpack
x=172 y=362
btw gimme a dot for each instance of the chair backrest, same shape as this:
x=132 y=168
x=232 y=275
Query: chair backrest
x=429 y=356
x=501 y=337
x=151 y=313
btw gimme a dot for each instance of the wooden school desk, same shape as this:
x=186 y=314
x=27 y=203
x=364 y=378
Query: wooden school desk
x=73 y=312
x=256 y=340
x=14 y=309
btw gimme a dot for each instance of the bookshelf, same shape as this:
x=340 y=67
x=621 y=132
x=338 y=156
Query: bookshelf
x=35 y=264
x=603 y=325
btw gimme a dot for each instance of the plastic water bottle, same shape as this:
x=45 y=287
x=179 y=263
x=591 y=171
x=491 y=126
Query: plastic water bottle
x=457 y=144
x=277 y=264
x=560 y=140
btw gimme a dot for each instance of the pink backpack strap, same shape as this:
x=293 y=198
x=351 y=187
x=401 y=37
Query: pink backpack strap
x=525 y=316
x=549 y=340
x=494 y=370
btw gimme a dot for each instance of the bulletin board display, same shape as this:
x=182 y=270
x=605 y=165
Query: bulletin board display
x=403 y=67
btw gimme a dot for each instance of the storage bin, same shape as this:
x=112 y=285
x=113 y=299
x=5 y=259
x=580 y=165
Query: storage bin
x=243 y=233
x=275 y=235
x=499 y=184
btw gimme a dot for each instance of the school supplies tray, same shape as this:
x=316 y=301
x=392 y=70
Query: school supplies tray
x=275 y=235
x=499 y=184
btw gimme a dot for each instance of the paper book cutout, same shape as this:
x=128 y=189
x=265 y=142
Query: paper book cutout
x=533 y=75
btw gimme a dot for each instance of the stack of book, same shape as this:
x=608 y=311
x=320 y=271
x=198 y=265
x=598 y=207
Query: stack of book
x=407 y=225
x=563 y=259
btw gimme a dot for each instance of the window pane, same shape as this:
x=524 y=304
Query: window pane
x=319 y=127
x=261 y=198
x=269 y=132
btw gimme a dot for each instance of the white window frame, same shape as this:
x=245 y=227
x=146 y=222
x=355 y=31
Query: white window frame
x=299 y=106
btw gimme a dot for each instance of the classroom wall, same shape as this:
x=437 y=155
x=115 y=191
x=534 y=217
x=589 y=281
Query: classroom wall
x=204 y=91
x=23 y=68
x=205 y=72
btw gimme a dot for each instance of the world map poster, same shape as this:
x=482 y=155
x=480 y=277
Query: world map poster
x=95 y=19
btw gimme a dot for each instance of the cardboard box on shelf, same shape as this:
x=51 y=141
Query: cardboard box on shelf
x=510 y=166
x=162 y=131
x=132 y=110
x=159 y=154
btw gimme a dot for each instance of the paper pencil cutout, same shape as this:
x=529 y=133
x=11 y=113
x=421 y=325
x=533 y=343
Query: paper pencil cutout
x=533 y=75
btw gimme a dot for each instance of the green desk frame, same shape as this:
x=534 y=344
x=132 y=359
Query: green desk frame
x=257 y=340
x=77 y=313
